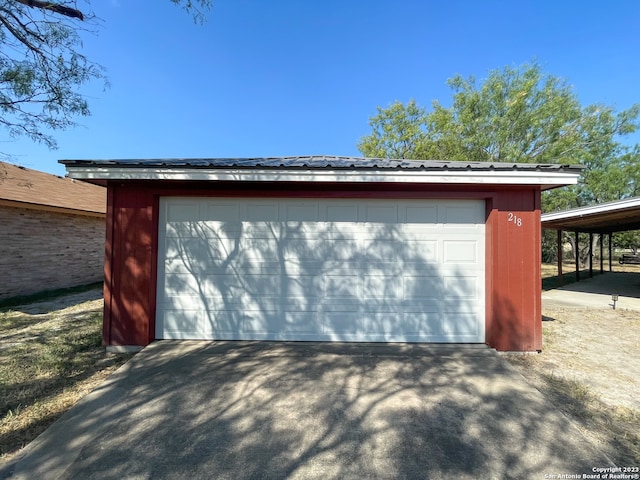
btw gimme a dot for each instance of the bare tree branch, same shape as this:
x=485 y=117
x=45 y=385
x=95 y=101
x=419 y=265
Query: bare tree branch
x=53 y=7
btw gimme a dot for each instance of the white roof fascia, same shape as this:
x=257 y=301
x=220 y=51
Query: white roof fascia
x=508 y=177
x=591 y=210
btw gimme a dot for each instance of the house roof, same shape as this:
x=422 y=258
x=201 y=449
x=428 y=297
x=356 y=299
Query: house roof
x=323 y=168
x=619 y=216
x=23 y=187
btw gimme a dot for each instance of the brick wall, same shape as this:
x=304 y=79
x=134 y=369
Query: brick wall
x=41 y=250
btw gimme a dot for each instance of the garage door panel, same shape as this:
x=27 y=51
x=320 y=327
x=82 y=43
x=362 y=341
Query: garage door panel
x=381 y=287
x=260 y=250
x=211 y=231
x=263 y=322
x=339 y=211
x=352 y=270
x=220 y=214
x=182 y=323
x=458 y=214
x=420 y=215
x=419 y=250
x=419 y=288
x=423 y=323
x=222 y=323
x=181 y=285
x=183 y=211
x=379 y=213
x=461 y=251
x=303 y=286
x=204 y=286
x=342 y=231
x=260 y=239
x=194 y=256
x=463 y=325
x=381 y=323
x=341 y=320
x=302 y=322
x=461 y=287
x=301 y=212
x=261 y=212
x=341 y=287
x=302 y=250
x=384 y=250
x=259 y=285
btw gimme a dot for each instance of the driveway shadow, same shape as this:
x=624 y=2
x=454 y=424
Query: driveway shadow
x=297 y=410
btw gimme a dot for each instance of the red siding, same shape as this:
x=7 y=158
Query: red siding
x=513 y=311
x=129 y=287
x=513 y=272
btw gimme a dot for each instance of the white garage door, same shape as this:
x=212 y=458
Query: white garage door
x=330 y=270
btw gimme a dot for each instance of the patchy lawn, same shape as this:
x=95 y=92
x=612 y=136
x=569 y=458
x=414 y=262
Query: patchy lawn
x=50 y=357
x=590 y=369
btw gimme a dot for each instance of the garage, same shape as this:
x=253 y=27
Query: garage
x=322 y=248
x=322 y=270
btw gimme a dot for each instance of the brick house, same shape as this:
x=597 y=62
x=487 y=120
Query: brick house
x=51 y=231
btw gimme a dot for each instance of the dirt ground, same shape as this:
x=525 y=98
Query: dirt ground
x=590 y=368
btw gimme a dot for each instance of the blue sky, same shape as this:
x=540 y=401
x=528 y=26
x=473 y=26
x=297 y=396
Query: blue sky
x=284 y=77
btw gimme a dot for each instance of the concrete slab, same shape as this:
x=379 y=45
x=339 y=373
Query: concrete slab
x=233 y=410
x=596 y=292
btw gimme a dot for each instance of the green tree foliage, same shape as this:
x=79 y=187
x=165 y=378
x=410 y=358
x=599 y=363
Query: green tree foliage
x=42 y=69
x=516 y=115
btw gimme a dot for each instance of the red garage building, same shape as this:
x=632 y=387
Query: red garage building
x=323 y=249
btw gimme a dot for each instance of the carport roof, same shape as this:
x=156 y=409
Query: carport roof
x=619 y=216
x=323 y=168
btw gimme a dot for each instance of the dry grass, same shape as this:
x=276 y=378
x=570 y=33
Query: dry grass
x=587 y=369
x=50 y=357
x=549 y=270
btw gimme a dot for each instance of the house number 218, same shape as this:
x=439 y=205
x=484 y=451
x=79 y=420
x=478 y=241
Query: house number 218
x=516 y=220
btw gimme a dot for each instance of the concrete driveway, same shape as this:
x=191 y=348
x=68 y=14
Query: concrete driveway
x=596 y=292
x=240 y=410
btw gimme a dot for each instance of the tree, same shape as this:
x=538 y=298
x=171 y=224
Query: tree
x=518 y=115
x=41 y=67
x=515 y=115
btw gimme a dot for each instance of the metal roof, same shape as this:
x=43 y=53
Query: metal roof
x=320 y=162
x=619 y=216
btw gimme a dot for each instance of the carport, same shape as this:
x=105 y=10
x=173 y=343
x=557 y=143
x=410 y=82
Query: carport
x=604 y=219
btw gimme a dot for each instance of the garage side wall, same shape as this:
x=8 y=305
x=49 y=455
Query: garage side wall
x=129 y=299
x=514 y=317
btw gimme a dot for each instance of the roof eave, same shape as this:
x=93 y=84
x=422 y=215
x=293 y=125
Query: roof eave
x=545 y=179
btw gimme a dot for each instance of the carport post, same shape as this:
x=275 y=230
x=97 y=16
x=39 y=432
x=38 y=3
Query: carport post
x=559 y=253
x=601 y=254
x=577 y=255
x=590 y=255
x=610 y=250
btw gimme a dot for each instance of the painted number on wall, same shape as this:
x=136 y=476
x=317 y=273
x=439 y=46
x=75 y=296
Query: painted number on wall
x=516 y=220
